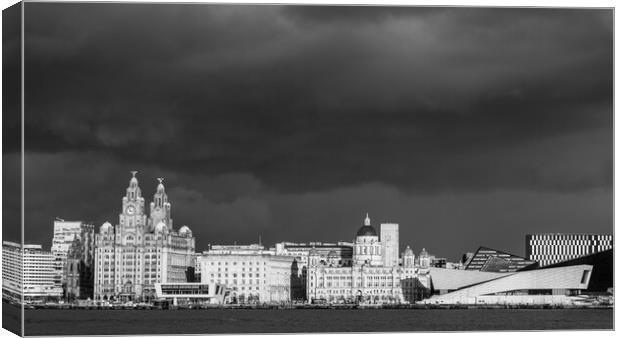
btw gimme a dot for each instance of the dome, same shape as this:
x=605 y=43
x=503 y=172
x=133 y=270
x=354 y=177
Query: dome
x=185 y=230
x=423 y=253
x=105 y=227
x=408 y=251
x=160 y=227
x=366 y=230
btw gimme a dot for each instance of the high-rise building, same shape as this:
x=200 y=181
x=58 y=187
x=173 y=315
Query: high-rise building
x=28 y=272
x=141 y=251
x=388 y=235
x=553 y=248
x=74 y=240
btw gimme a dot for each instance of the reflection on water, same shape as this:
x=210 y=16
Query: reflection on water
x=84 y=322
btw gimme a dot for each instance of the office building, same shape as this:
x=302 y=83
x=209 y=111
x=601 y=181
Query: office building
x=251 y=273
x=551 y=248
x=28 y=273
x=73 y=248
x=388 y=235
x=141 y=249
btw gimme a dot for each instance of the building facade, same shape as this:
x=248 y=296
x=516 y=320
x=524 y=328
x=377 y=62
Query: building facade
x=28 y=273
x=371 y=278
x=73 y=247
x=191 y=293
x=251 y=273
x=554 y=248
x=388 y=235
x=342 y=252
x=141 y=249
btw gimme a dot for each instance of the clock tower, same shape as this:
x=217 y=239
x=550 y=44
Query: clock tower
x=132 y=215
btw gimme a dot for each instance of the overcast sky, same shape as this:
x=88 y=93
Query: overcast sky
x=466 y=126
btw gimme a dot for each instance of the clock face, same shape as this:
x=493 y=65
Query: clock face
x=131 y=210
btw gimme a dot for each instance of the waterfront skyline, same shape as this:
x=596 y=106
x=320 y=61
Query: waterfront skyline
x=293 y=122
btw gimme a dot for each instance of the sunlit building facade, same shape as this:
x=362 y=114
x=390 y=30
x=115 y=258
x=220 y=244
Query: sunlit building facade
x=28 y=273
x=251 y=273
x=141 y=249
x=371 y=278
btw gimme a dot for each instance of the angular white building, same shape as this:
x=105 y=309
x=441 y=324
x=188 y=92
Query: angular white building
x=543 y=286
x=141 y=249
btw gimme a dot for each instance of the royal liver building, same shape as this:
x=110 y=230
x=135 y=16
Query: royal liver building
x=141 y=251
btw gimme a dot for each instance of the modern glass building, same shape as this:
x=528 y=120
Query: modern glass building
x=491 y=260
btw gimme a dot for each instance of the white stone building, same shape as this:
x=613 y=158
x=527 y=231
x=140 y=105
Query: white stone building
x=141 y=250
x=371 y=278
x=341 y=252
x=253 y=274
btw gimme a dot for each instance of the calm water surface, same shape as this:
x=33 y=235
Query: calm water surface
x=101 y=322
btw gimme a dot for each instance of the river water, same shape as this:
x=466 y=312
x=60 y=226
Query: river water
x=123 y=322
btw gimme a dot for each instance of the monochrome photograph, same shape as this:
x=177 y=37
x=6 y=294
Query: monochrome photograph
x=211 y=168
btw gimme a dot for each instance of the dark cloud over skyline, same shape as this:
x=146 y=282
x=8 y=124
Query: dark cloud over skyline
x=467 y=126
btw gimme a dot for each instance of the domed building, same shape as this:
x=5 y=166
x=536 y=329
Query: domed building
x=408 y=258
x=367 y=248
x=141 y=249
x=375 y=275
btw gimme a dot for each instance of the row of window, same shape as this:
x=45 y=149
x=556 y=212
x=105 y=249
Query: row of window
x=235 y=263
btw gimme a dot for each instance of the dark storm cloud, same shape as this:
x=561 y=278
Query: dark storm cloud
x=285 y=89
x=243 y=106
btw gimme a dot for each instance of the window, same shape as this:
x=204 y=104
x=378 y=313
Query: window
x=585 y=276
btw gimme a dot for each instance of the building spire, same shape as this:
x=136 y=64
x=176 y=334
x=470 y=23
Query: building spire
x=160 y=186
x=160 y=198
x=367 y=220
